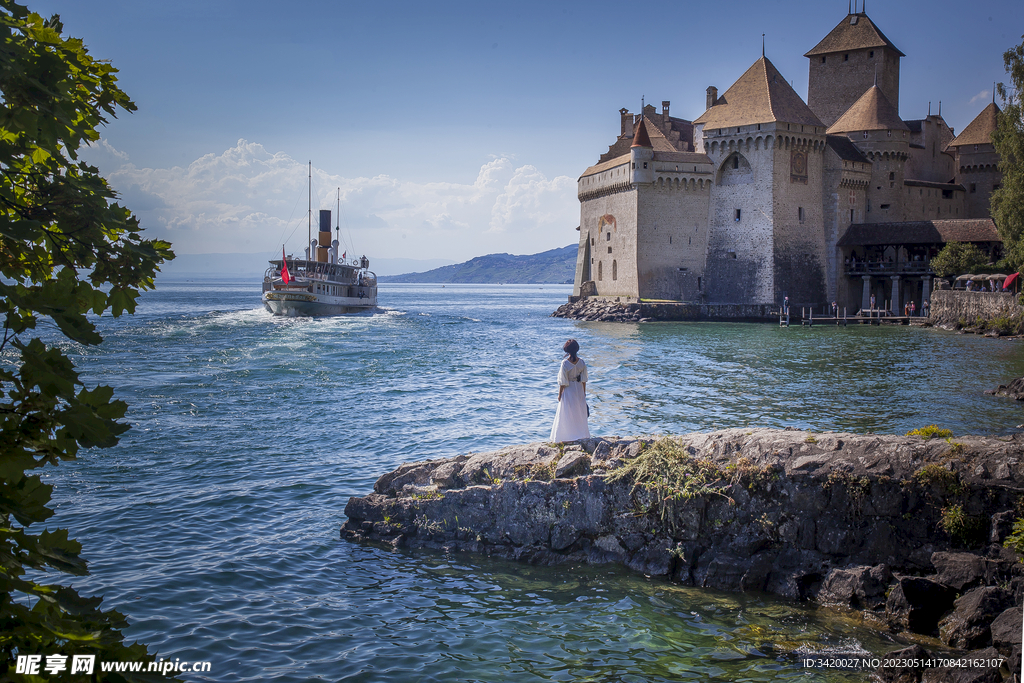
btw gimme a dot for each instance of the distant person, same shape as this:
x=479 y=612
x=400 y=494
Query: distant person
x=572 y=412
x=913 y=309
x=835 y=310
x=924 y=308
x=872 y=307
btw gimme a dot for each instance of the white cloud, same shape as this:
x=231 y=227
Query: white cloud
x=524 y=202
x=983 y=95
x=247 y=199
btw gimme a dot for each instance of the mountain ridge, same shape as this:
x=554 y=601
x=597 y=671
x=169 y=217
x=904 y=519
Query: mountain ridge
x=555 y=266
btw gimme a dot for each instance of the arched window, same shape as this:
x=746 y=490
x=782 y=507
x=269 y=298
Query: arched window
x=615 y=270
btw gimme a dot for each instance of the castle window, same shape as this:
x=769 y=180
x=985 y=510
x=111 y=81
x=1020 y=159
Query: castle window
x=892 y=176
x=865 y=135
x=609 y=250
x=883 y=207
x=974 y=188
x=615 y=270
x=851 y=215
x=871 y=54
x=670 y=239
x=736 y=162
x=823 y=59
x=846 y=58
x=698 y=284
x=975 y=148
x=592 y=241
x=800 y=213
x=737 y=215
x=730 y=254
x=608 y=237
x=645 y=164
x=888 y=133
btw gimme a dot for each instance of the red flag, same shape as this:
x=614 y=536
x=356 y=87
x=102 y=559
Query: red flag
x=284 y=269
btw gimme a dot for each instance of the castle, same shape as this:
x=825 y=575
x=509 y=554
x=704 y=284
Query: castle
x=764 y=197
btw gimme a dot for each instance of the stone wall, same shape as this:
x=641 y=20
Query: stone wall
x=949 y=307
x=741 y=245
x=672 y=226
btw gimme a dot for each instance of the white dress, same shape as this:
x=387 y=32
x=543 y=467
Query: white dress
x=571 y=415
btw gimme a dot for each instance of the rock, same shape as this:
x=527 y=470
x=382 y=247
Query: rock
x=903 y=674
x=800 y=515
x=961 y=570
x=412 y=473
x=572 y=464
x=916 y=604
x=961 y=672
x=856 y=587
x=1014 y=389
x=446 y=476
x=1006 y=636
x=1002 y=526
x=956 y=671
x=967 y=627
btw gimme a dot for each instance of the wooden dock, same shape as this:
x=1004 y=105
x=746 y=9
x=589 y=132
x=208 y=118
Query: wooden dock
x=880 y=316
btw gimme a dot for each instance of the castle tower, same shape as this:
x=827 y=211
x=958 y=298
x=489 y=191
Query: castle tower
x=977 y=162
x=766 y=233
x=873 y=125
x=854 y=56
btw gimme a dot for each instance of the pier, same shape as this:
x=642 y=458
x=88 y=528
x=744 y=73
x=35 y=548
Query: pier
x=873 y=316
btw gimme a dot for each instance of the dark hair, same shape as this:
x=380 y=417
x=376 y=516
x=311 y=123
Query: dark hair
x=571 y=347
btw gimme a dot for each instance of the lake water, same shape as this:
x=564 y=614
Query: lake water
x=214 y=525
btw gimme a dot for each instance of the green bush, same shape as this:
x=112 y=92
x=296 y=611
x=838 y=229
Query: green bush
x=957 y=258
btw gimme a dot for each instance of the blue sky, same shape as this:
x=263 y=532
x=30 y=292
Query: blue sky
x=453 y=129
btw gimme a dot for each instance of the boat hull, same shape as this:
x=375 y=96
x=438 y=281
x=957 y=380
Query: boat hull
x=302 y=304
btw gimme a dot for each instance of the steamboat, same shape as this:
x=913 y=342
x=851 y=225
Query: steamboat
x=322 y=283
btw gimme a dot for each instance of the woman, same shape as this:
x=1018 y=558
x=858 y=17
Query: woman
x=571 y=415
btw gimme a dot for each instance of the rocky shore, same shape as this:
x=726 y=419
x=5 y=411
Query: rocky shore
x=615 y=309
x=910 y=530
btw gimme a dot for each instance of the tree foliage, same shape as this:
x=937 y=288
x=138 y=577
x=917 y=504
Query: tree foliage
x=67 y=249
x=957 y=258
x=1008 y=138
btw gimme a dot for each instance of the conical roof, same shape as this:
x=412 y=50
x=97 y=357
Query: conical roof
x=979 y=131
x=761 y=95
x=855 y=32
x=872 y=111
x=641 y=138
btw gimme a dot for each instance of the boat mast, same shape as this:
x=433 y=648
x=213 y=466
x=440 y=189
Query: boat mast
x=309 y=214
x=337 y=222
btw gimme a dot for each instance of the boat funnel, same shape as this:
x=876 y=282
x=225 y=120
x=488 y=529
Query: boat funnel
x=323 y=250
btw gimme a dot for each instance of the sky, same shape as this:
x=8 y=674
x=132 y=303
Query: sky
x=449 y=129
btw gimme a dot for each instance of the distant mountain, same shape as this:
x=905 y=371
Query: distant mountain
x=557 y=266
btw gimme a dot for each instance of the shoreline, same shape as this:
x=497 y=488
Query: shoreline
x=908 y=530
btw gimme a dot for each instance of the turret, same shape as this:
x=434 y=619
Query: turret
x=641 y=156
